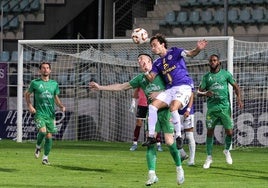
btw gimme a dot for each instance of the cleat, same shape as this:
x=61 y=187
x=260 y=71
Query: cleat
x=228 y=157
x=159 y=148
x=190 y=162
x=179 y=142
x=185 y=157
x=45 y=162
x=180 y=176
x=207 y=162
x=149 y=141
x=133 y=147
x=152 y=178
x=37 y=152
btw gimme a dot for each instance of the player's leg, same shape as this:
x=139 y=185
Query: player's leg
x=140 y=117
x=151 y=164
x=51 y=128
x=212 y=119
x=47 y=148
x=228 y=126
x=188 y=125
x=40 y=124
x=152 y=120
x=168 y=129
x=158 y=142
x=136 y=134
x=180 y=98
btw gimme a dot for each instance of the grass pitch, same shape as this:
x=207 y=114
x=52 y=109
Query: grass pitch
x=112 y=165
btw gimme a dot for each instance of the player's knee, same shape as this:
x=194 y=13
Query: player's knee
x=152 y=108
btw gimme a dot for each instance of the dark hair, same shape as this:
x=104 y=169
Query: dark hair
x=146 y=55
x=214 y=55
x=161 y=39
x=43 y=63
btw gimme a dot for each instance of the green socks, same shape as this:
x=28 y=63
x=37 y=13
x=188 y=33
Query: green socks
x=151 y=157
x=209 y=145
x=175 y=154
x=40 y=137
x=47 y=146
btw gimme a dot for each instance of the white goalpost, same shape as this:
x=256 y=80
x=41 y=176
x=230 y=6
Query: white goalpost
x=104 y=116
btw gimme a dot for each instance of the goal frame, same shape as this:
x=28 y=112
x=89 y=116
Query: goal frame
x=228 y=39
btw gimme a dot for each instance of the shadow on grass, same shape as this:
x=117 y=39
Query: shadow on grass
x=78 y=168
x=39 y=186
x=242 y=173
x=7 y=170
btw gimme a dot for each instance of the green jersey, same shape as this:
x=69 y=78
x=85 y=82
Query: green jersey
x=44 y=93
x=164 y=115
x=147 y=86
x=218 y=84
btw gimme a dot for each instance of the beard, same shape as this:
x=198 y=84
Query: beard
x=214 y=68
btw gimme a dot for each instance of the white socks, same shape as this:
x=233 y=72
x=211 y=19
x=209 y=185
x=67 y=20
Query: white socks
x=176 y=120
x=152 y=119
x=190 y=137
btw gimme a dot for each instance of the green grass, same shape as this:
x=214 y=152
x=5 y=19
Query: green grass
x=112 y=165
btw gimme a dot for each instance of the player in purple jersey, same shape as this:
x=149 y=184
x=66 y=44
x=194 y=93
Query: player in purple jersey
x=171 y=65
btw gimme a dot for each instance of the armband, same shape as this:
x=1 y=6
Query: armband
x=202 y=92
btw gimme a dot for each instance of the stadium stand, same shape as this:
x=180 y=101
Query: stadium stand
x=14 y=56
x=27 y=55
x=170 y=19
x=5 y=56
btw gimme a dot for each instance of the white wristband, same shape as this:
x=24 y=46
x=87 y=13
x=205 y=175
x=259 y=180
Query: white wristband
x=146 y=73
x=188 y=109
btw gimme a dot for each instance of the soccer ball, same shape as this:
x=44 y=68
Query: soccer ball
x=139 y=35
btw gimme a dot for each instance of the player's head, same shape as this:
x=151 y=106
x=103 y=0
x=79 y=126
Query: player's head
x=145 y=61
x=45 y=69
x=160 y=38
x=214 y=62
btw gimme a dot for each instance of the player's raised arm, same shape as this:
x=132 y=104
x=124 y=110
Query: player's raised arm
x=201 y=45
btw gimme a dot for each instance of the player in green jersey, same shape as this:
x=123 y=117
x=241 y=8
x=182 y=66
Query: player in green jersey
x=164 y=116
x=45 y=93
x=214 y=85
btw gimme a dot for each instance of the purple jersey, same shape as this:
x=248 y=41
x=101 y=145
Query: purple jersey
x=173 y=68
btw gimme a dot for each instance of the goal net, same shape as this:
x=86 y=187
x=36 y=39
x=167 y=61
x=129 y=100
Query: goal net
x=105 y=116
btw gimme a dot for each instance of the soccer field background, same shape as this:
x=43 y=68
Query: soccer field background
x=103 y=164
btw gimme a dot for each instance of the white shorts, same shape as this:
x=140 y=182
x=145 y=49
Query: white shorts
x=187 y=123
x=180 y=93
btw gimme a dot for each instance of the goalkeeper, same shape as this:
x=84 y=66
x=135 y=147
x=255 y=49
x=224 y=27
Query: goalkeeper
x=164 y=116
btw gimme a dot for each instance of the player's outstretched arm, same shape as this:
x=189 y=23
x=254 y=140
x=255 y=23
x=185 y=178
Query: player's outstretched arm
x=112 y=87
x=201 y=45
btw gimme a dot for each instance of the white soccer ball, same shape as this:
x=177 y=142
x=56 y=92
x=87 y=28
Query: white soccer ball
x=139 y=35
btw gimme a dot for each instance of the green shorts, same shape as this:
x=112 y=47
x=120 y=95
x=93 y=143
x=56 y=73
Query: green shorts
x=219 y=117
x=49 y=123
x=163 y=122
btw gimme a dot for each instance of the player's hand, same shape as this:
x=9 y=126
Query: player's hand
x=133 y=105
x=186 y=114
x=32 y=109
x=94 y=86
x=63 y=108
x=240 y=104
x=201 y=44
x=209 y=93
